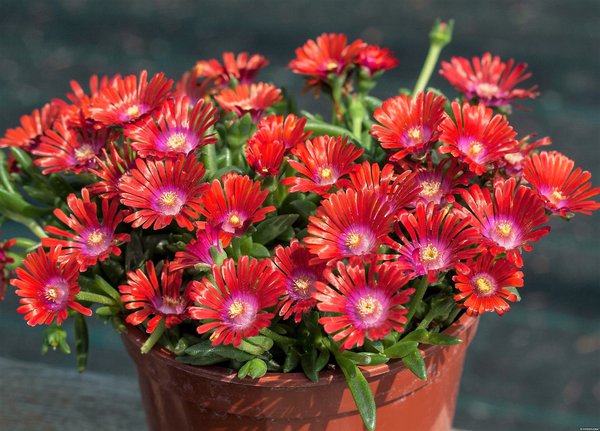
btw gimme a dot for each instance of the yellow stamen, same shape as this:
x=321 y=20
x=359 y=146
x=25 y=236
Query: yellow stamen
x=171 y=302
x=235 y=220
x=176 y=141
x=325 y=173
x=430 y=188
x=96 y=238
x=475 y=148
x=236 y=309
x=302 y=284
x=429 y=253
x=504 y=229
x=556 y=196
x=331 y=66
x=487 y=90
x=133 y=111
x=169 y=199
x=483 y=285
x=354 y=240
x=51 y=293
x=415 y=133
x=84 y=153
x=368 y=306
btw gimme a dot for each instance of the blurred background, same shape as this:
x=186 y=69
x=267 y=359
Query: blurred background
x=538 y=367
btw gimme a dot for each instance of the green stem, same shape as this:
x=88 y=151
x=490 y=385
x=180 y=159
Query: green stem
x=416 y=299
x=440 y=36
x=154 y=337
x=94 y=297
x=34 y=227
x=4 y=177
x=278 y=338
x=209 y=158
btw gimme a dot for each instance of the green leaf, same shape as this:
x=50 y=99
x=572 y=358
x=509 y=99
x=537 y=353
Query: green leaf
x=415 y=363
x=361 y=392
x=105 y=287
x=287 y=235
x=14 y=203
x=259 y=251
x=55 y=337
x=81 y=341
x=419 y=334
x=322 y=360
x=201 y=360
x=205 y=348
x=271 y=228
x=515 y=292
x=254 y=368
x=400 y=349
x=309 y=365
x=265 y=343
x=304 y=207
x=442 y=339
x=134 y=253
x=365 y=358
x=292 y=359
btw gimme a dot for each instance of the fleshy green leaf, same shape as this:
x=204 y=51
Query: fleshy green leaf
x=401 y=349
x=81 y=341
x=292 y=359
x=271 y=228
x=415 y=363
x=442 y=339
x=361 y=392
x=205 y=348
x=259 y=251
x=308 y=362
x=254 y=368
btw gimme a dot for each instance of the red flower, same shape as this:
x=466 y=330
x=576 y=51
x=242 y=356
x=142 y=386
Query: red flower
x=79 y=112
x=162 y=191
x=178 y=128
x=33 y=127
x=300 y=278
x=191 y=86
x=265 y=158
x=112 y=168
x=485 y=285
x=374 y=59
x=70 y=149
x=243 y=68
x=513 y=162
x=93 y=240
x=47 y=288
x=509 y=221
x=4 y=261
x=364 y=308
x=164 y=301
x=350 y=223
x=322 y=161
x=329 y=54
x=253 y=99
x=488 y=79
x=441 y=182
x=562 y=189
x=127 y=100
x=235 y=304
x=231 y=208
x=434 y=240
x=198 y=252
x=287 y=130
x=478 y=137
x=409 y=124
x=397 y=190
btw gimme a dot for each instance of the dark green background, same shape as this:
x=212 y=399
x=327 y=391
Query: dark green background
x=537 y=367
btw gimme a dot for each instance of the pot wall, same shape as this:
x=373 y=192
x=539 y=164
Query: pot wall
x=182 y=397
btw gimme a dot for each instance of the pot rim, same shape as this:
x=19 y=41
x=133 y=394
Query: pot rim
x=295 y=379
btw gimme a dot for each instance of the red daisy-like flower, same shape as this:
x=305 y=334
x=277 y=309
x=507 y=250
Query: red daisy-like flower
x=488 y=79
x=93 y=240
x=265 y=158
x=79 y=113
x=243 y=68
x=128 y=99
x=192 y=86
x=364 y=308
x=232 y=207
x=178 y=128
x=440 y=183
x=288 y=130
x=197 y=253
x=433 y=240
x=409 y=124
x=47 y=288
x=4 y=261
x=70 y=149
x=33 y=126
x=512 y=165
x=509 y=221
x=329 y=54
x=159 y=301
x=375 y=59
x=301 y=273
x=562 y=189
x=477 y=136
x=161 y=191
x=112 y=168
x=349 y=224
x=234 y=306
x=485 y=285
x=253 y=99
x=322 y=161
x=398 y=190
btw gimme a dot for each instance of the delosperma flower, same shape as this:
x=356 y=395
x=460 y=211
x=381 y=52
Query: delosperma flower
x=375 y=59
x=234 y=305
x=159 y=192
x=47 y=288
x=91 y=240
x=114 y=165
x=158 y=300
x=562 y=188
x=253 y=99
x=33 y=127
x=197 y=253
x=5 y=260
x=441 y=183
x=509 y=219
x=288 y=130
x=243 y=68
x=488 y=79
x=484 y=283
x=363 y=307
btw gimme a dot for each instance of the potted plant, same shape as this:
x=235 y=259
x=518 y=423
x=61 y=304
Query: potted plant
x=270 y=269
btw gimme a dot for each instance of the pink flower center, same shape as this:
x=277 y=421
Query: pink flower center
x=430 y=188
x=487 y=90
x=97 y=241
x=367 y=307
x=56 y=293
x=171 y=305
x=326 y=175
x=504 y=229
x=84 y=153
x=358 y=240
x=170 y=203
x=556 y=197
x=484 y=285
x=416 y=133
x=133 y=111
x=429 y=253
x=241 y=311
x=177 y=142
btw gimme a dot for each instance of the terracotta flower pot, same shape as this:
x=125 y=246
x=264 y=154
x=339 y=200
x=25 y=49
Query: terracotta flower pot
x=182 y=397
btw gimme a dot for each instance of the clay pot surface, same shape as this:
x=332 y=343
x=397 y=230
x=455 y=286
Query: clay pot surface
x=182 y=397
